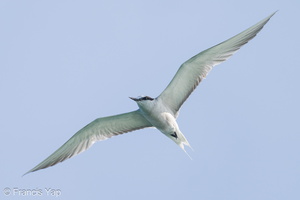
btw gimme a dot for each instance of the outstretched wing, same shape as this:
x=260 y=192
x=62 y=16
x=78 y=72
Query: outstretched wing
x=99 y=129
x=191 y=73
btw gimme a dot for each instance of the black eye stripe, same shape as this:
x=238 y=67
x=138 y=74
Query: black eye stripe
x=145 y=98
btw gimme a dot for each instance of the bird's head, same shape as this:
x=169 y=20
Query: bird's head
x=142 y=98
x=144 y=102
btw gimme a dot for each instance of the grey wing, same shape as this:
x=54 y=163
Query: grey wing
x=194 y=70
x=99 y=129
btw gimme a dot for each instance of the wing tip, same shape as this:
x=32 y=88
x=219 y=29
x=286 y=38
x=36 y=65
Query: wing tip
x=28 y=172
x=36 y=168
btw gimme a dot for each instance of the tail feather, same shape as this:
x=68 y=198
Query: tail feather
x=181 y=141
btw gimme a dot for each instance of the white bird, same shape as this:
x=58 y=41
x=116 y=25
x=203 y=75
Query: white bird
x=160 y=112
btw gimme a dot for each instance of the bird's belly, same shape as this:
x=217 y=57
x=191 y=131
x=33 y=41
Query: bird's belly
x=163 y=121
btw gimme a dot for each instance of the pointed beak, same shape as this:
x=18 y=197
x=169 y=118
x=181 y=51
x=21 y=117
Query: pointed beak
x=134 y=99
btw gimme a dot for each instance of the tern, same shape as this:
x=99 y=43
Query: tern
x=160 y=112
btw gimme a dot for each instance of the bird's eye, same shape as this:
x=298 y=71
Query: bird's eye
x=149 y=98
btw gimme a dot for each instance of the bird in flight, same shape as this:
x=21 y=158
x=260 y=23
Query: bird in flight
x=160 y=112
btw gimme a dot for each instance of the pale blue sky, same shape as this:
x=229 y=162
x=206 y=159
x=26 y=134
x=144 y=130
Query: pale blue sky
x=65 y=63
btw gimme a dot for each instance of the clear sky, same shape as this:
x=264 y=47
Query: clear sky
x=65 y=63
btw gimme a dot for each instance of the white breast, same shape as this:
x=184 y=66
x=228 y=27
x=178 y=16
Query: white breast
x=159 y=116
